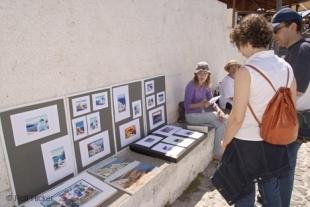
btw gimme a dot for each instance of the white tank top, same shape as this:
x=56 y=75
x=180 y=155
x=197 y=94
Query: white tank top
x=261 y=92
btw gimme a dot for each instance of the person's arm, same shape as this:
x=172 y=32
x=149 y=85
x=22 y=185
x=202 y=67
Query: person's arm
x=241 y=99
x=302 y=69
x=294 y=91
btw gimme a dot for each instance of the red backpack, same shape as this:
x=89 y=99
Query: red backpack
x=279 y=124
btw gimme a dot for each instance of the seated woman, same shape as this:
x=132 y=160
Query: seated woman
x=227 y=85
x=198 y=109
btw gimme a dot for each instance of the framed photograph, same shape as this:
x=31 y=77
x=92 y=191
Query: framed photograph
x=136 y=109
x=179 y=141
x=79 y=128
x=149 y=140
x=93 y=123
x=149 y=87
x=129 y=132
x=94 y=148
x=121 y=103
x=132 y=177
x=100 y=100
x=168 y=149
x=160 y=98
x=189 y=133
x=107 y=168
x=156 y=117
x=83 y=190
x=57 y=156
x=35 y=124
x=150 y=101
x=167 y=130
x=80 y=105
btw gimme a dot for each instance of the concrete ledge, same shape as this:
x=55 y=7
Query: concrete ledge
x=170 y=179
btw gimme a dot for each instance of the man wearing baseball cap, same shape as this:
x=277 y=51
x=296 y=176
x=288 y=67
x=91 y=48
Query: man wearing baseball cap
x=287 y=25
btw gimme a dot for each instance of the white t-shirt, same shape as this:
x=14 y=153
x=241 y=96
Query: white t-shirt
x=226 y=91
x=261 y=92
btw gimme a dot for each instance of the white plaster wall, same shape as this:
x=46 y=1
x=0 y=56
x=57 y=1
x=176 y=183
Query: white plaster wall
x=51 y=48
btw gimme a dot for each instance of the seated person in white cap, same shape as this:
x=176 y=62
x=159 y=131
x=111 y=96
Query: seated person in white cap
x=198 y=109
x=227 y=85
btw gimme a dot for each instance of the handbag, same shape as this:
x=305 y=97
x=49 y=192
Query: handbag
x=304 y=125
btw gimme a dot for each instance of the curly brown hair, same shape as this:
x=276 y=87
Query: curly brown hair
x=253 y=29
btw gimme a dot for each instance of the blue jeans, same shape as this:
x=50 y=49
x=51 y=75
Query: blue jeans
x=271 y=193
x=211 y=119
x=287 y=180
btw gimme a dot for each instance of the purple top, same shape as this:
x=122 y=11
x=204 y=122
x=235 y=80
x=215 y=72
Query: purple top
x=195 y=94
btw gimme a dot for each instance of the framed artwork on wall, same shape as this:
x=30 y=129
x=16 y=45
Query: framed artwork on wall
x=35 y=124
x=79 y=126
x=100 y=101
x=121 y=103
x=80 y=105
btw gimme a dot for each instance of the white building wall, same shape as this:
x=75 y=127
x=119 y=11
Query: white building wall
x=51 y=48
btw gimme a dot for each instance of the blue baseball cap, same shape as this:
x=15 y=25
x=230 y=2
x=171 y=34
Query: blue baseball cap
x=283 y=15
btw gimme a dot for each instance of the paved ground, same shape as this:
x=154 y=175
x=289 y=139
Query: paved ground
x=201 y=193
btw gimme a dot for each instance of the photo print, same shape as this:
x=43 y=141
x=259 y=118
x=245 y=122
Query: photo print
x=189 y=133
x=93 y=123
x=179 y=141
x=160 y=97
x=35 y=124
x=149 y=140
x=150 y=101
x=133 y=177
x=94 y=148
x=58 y=160
x=79 y=127
x=136 y=109
x=80 y=105
x=149 y=87
x=129 y=132
x=156 y=117
x=168 y=149
x=106 y=169
x=100 y=100
x=121 y=103
x=83 y=190
x=167 y=130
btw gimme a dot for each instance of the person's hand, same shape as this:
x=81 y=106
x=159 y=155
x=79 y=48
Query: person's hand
x=221 y=115
x=224 y=144
x=205 y=103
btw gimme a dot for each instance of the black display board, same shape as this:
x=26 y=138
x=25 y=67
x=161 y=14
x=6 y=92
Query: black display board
x=128 y=118
x=91 y=111
x=156 y=113
x=25 y=158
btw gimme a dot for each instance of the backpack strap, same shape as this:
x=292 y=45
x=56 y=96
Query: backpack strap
x=262 y=74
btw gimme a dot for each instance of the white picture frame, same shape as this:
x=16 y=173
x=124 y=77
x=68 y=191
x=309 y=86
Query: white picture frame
x=160 y=97
x=136 y=109
x=97 y=192
x=149 y=140
x=93 y=123
x=179 y=141
x=150 y=102
x=79 y=128
x=129 y=132
x=94 y=148
x=80 y=105
x=100 y=100
x=188 y=133
x=149 y=87
x=121 y=103
x=156 y=117
x=168 y=149
x=58 y=160
x=167 y=130
x=35 y=124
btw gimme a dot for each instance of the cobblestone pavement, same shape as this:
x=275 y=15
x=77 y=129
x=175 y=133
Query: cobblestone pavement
x=201 y=193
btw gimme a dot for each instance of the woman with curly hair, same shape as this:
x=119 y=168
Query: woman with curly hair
x=247 y=158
